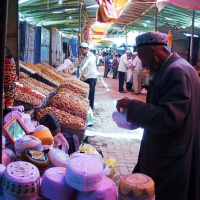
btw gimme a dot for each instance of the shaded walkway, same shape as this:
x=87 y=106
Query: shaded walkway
x=113 y=141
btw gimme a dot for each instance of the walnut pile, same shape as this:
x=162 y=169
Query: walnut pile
x=34 y=86
x=64 y=118
x=68 y=91
x=76 y=81
x=21 y=96
x=75 y=88
x=68 y=106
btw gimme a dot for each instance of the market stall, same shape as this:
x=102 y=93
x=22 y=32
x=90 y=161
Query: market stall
x=31 y=147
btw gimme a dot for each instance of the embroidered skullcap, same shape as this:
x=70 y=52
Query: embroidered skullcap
x=153 y=38
x=128 y=51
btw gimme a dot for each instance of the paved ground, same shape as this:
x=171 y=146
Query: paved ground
x=113 y=141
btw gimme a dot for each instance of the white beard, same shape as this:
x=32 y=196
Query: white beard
x=151 y=75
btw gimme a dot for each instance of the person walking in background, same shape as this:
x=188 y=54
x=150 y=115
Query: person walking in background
x=88 y=70
x=129 y=73
x=100 y=59
x=97 y=60
x=137 y=74
x=170 y=147
x=123 y=65
x=115 y=65
x=107 y=65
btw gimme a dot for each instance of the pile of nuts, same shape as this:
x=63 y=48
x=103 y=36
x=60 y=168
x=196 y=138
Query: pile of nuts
x=64 y=118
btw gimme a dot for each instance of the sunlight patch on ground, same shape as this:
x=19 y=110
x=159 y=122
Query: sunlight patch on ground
x=98 y=73
x=136 y=134
x=115 y=102
x=104 y=83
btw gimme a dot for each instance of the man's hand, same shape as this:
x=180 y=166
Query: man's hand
x=122 y=104
x=82 y=78
x=131 y=67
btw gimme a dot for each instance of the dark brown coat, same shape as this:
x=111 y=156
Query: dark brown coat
x=170 y=147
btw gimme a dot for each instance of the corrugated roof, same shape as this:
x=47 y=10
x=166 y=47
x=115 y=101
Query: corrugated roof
x=176 y=34
x=138 y=15
x=188 y=30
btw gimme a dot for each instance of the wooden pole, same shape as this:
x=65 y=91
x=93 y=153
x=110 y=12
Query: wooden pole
x=3 y=31
x=192 y=38
x=156 y=18
x=84 y=24
x=79 y=35
x=79 y=27
x=126 y=38
x=12 y=40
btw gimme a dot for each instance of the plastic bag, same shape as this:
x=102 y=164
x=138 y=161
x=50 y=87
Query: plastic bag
x=112 y=164
x=90 y=120
x=88 y=148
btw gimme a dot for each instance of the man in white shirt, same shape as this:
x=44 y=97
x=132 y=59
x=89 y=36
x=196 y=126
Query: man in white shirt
x=88 y=70
x=129 y=73
x=123 y=65
x=137 y=74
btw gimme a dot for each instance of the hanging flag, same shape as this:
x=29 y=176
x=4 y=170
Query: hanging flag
x=106 y=12
x=169 y=42
x=86 y=32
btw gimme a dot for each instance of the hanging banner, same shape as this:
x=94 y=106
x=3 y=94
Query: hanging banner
x=192 y=4
x=106 y=12
x=86 y=32
x=169 y=42
x=73 y=46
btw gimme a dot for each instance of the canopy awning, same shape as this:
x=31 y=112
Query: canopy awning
x=188 y=4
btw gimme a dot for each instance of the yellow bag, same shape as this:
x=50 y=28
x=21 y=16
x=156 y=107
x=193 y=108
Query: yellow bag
x=88 y=148
x=112 y=164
